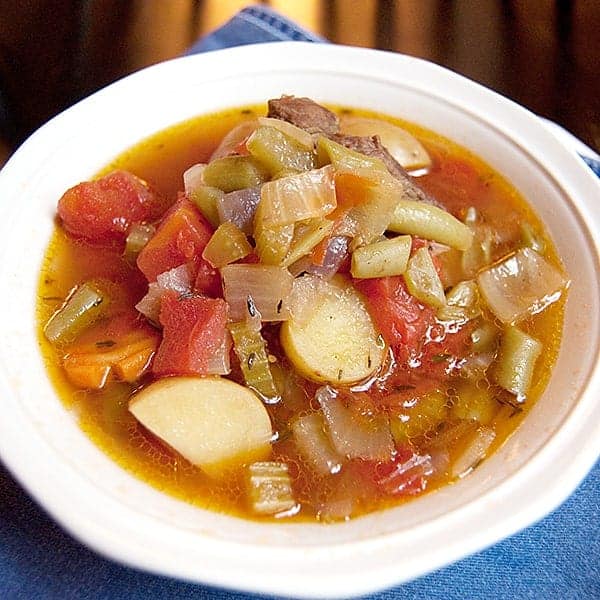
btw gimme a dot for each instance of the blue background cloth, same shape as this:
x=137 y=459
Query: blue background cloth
x=559 y=557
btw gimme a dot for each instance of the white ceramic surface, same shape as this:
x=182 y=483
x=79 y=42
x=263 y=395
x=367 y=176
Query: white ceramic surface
x=127 y=520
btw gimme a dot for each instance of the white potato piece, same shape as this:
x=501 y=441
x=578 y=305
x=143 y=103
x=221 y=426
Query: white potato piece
x=403 y=146
x=213 y=422
x=336 y=342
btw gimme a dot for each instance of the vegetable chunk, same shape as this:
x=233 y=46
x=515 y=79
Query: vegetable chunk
x=214 y=423
x=338 y=343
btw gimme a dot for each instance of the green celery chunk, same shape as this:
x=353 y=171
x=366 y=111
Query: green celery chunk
x=226 y=245
x=249 y=346
x=139 y=235
x=81 y=309
x=422 y=279
x=516 y=361
x=205 y=197
x=279 y=153
x=270 y=488
x=232 y=173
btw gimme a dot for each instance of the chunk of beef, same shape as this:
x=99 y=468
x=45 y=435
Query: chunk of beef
x=304 y=113
x=372 y=146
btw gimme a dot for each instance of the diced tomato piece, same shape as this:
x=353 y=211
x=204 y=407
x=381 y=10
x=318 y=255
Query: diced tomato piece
x=104 y=210
x=208 y=280
x=180 y=238
x=399 y=316
x=405 y=475
x=193 y=330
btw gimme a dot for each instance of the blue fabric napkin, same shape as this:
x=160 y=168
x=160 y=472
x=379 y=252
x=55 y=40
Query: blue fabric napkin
x=559 y=557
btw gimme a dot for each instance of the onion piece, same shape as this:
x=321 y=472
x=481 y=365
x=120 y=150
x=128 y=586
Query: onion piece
x=192 y=178
x=177 y=279
x=354 y=435
x=523 y=284
x=305 y=295
x=474 y=452
x=219 y=363
x=314 y=445
x=268 y=286
x=307 y=195
x=234 y=138
x=238 y=207
x=301 y=136
x=404 y=147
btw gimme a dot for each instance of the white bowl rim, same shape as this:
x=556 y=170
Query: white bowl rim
x=576 y=180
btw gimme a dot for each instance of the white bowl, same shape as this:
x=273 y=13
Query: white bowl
x=125 y=519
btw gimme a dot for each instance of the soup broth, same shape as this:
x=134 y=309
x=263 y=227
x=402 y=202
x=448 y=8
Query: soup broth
x=438 y=403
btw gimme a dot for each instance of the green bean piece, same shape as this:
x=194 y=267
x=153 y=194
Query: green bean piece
x=81 y=309
x=345 y=160
x=381 y=259
x=516 y=361
x=205 y=198
x=278 y=153
x=431 y=223
x=422 y=279
x=232 y=173
x=249 y=346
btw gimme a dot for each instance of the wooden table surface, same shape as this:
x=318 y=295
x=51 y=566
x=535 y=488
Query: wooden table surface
x=541 y=53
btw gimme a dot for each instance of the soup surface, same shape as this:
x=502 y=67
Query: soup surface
x=298 y=327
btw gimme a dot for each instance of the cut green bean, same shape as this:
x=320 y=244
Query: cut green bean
x=431 y=223
x=84 y=306
x=381 y=259
x=516 y=361
x=232 y=173
x=206 y=197
x=422 y=279
x=279 y=153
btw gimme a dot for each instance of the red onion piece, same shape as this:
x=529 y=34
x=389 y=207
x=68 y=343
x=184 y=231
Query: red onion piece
x=238 y=207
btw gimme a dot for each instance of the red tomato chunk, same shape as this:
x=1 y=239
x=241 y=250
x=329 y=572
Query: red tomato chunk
x=193 y=330
x=180 y=238
x=103 y=211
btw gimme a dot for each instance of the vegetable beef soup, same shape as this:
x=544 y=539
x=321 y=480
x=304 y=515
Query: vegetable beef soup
x=310 y=315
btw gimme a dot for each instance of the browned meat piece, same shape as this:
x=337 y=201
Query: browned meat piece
x=304 y=113
x=372 y=146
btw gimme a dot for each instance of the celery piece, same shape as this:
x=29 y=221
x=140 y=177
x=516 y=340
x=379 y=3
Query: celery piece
x=345 y=160
x=138 y=237
x=306 y=237
x=232 y=173
x=516 y=361
x=431 y=223
x=226 y=245
x=84 y=306
x=531 y=239
x=270 y=488
x=273 y=243
x=419 y=416
x=206 y=197
x=422 y=279
x=484 y=337
x=249 y=346
x=278 y=152
x=462 y=303
x=473 y=403
x=381 y=259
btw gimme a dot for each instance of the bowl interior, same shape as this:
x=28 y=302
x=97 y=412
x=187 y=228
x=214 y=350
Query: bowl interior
x=123 y=517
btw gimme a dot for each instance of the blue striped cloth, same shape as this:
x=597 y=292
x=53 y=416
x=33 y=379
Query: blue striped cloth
x=559 y=557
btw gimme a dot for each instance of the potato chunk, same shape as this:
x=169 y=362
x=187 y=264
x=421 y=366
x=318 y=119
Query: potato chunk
x=213 y=422
x=338 y=342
